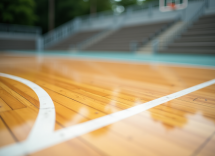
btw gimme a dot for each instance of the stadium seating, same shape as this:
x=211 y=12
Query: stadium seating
x=73 y=40
x=120 y=40
x=17 y=44
x=198 y=39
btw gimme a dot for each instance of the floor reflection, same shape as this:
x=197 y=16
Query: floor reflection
x=114 y=86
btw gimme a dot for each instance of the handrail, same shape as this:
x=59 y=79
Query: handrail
x=61 y=32
x=24 y=32
x=82 y=45
x=74 y=25
x=151 y=37
x=159 y=31
x=14 y=29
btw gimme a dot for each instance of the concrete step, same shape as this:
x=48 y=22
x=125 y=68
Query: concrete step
x=169 y=33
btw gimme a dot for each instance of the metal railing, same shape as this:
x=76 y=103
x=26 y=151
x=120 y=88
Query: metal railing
x=145 y=41
x=85 y=43
x=22 y=32
x=135 y=45
x=61 y=32
x=73 y=26
x=19 y=29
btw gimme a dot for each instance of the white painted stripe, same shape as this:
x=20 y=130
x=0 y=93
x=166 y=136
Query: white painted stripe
x=45 y=121
x=42 y=142
x=89 y=126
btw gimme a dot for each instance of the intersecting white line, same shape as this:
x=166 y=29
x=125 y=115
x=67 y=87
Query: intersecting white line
x=41 y=142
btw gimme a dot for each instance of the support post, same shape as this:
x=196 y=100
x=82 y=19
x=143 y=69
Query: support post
x=77 y=24
x=207 y=3
x=51 y=14
x=150 y=10
x=40 y=47
x=128 y=12
x=155 y=44
x=133 y=46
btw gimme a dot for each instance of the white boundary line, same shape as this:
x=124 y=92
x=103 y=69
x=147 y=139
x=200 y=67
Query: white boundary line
x=43 y=141
x=45 y=121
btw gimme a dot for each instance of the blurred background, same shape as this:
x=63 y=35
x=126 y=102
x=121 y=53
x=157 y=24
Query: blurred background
x=49 y=14
x=119 y=26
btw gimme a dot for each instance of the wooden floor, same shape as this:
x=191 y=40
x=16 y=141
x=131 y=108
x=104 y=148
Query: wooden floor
x=83 y=90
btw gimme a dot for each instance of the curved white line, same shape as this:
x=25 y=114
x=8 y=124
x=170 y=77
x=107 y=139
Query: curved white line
x=45 y=121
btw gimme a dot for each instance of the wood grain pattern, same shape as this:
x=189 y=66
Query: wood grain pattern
x=10 y=100
x=4 y=106
x=5 y=135
x=208 y=147
x=83 y=90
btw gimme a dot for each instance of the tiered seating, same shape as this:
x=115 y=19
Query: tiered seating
x=73 y=40
x=17 y=44
x=198 y=39
x=121 y=39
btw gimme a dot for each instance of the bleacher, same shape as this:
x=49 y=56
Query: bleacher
x=197 y=39
x=122 y=38
x=72 y=41
x=125 y=32
x=17 y=44
x=19 y=37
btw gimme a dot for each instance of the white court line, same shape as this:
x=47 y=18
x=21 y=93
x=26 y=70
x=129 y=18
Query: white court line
x=42 y=142
x=45 y=121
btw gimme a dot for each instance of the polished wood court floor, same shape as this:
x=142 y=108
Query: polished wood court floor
x=84 y=89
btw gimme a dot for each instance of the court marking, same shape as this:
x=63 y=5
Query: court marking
x=46 y=115
x=40 y=141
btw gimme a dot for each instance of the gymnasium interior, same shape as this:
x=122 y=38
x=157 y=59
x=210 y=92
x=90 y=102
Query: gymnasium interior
x=133 y=81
